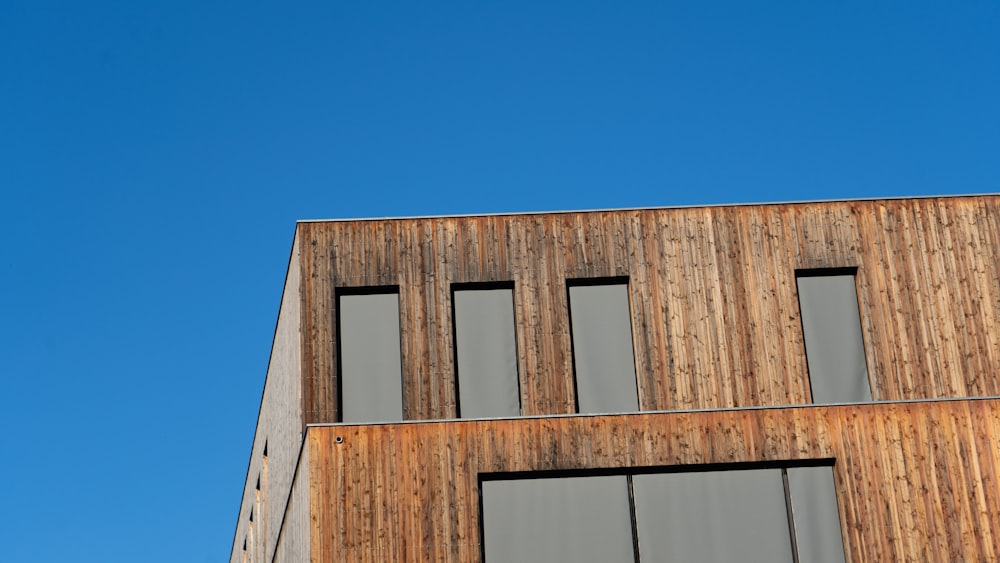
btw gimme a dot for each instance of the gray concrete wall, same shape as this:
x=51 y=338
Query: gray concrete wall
x=279 y=427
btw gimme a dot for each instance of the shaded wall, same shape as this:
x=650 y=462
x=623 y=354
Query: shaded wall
x=294 y=541
x=279 y=428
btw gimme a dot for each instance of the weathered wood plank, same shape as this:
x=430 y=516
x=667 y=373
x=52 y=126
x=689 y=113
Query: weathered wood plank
x=712 y=292
x=915 y=481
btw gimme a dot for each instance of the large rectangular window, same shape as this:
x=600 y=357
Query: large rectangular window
x=485 y=351
x=712 y=516
x=371 y=388
x=572 y=519
x=749 y=514
x=603 y=360
x=831 y=328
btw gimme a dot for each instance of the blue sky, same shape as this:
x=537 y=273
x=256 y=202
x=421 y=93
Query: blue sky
x=154 y=158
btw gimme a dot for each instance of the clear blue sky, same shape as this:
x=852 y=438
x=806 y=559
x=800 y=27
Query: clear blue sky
x=154 y=158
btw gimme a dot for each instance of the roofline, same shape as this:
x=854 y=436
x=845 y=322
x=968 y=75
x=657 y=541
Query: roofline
x=648 y=208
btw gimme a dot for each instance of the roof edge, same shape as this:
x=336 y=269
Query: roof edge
x=646 y=208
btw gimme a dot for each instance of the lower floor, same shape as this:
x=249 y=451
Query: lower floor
x=868 y=482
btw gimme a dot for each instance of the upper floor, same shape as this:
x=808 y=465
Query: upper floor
x=713 y=303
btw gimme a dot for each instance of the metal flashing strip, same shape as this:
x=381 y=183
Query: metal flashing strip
x=645 y=208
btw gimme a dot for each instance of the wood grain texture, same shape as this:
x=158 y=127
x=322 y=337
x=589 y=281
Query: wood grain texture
x=915 y=481
x=295 y=537
x=715 y=324
x=713 y=296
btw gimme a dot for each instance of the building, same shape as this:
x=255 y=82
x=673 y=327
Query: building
x=785 y=382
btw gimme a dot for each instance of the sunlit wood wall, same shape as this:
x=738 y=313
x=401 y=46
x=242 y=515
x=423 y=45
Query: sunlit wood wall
x=713 y=297
x=914 y=481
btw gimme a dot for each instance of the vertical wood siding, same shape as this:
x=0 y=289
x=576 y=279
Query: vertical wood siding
x=915 y=481
x=713 y=296
x=296 y=536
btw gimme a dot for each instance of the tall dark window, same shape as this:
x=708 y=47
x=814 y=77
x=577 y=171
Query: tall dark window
x=485 y=351
x=831 y=327
x=813 y=500
x=603 y=360
x=371 y=388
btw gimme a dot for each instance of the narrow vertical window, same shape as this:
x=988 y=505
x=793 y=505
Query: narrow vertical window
x=485 y=351
x=573 y=519
x=371 y=388
x=831 y=328
x=258 y=546
x=252 y=538
x=712 y=516
x=603 y=360
x=817 y=520
x=265 y=496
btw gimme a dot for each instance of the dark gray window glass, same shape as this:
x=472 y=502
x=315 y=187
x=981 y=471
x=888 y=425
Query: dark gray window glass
x=576 y=519
x=370 y=374
x=712 y=516
x=486 y=353
x=835 y=350
x=602 y=348
x=814 y=511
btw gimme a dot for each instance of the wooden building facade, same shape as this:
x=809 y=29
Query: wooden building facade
x=731 y=343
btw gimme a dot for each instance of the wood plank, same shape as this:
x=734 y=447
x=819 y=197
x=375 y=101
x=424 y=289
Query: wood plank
x=915 y=481
x=712 y=293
